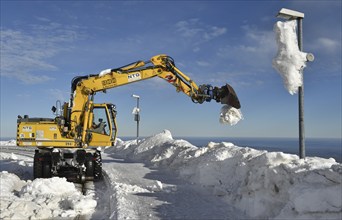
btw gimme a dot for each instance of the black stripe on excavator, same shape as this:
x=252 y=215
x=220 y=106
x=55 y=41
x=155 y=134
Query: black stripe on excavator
x=137 y=69
x=172 y=70
x=77 y=79
x=26 y=139
x=120 y=68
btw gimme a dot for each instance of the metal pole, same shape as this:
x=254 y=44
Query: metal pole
x=138 y=119
x=301 y=96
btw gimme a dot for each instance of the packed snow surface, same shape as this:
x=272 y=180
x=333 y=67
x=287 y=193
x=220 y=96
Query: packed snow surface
x=237 y=182
x=289 y=61
x=230 y=115
x=41 y=198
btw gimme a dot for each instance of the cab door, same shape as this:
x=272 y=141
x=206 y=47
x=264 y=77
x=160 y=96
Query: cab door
x=100 y=129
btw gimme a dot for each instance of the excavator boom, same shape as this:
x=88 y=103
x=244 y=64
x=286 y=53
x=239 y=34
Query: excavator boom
x=162 y=66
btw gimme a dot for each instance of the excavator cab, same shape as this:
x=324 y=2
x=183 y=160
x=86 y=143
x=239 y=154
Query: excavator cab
x=102 y=125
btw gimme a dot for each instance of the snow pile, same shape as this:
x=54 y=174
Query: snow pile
x=159 y=149
x=17 y=164
x=8 y=143
x=230 y=115
x=262 y=184
x=289 y=61
x=41 y=198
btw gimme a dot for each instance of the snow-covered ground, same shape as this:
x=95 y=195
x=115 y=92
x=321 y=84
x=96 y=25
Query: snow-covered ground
x=22 y=198
x=165 y=178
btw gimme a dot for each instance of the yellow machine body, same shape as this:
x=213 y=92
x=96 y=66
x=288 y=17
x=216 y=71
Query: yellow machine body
x=49 y=132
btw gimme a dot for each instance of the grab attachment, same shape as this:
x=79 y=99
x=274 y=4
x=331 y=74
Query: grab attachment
x=225 y=95
x=228 y=96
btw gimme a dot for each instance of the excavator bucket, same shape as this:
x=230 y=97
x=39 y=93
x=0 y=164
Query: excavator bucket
x=228 y=96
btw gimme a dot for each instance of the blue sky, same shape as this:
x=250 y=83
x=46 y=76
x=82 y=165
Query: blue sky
x=44 y=44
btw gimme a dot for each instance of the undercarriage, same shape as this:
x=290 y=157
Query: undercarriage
x=78 y=165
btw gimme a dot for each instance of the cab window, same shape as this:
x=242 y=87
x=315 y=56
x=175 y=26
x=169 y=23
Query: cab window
x=100 y=121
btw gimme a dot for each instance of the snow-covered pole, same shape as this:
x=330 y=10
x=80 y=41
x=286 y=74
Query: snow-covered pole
x=137 y=115
x=295 y=15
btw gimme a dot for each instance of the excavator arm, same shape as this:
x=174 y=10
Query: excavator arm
x=198 y=94
x=162 y=66
x=84 y=87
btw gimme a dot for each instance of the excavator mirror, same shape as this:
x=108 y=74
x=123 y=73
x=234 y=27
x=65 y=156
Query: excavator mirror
x=53 y=109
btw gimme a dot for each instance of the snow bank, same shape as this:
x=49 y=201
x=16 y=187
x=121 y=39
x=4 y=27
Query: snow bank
x=16 y=164
x=21 y=198
x=41 y=198
x=261 y=183
x=289 y=60
x=8 y=143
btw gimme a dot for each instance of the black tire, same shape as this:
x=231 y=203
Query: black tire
x=37 y=166
x=97 y=166
x=89 y=164
x=46 y=166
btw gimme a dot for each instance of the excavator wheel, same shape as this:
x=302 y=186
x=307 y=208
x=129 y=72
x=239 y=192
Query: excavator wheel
x=47 y=168
x=97 y=166
x=89 y=164
x=37 y=165
x=42 y=165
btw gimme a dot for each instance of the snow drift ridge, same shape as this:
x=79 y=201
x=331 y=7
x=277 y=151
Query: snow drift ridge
x=262 y=184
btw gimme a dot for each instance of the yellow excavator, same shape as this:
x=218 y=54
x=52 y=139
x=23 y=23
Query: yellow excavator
x=69 y=144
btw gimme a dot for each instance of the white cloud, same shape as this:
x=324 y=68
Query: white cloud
x=198 y=32
x=202 y=63
x=236 y=79
x=214 y=32
x=256 y=50
x=189 y=28
x=196 y=49
x=26 y=95
x=58 y=94
x=327 y=44
x=24 y=53
x=42 y=19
